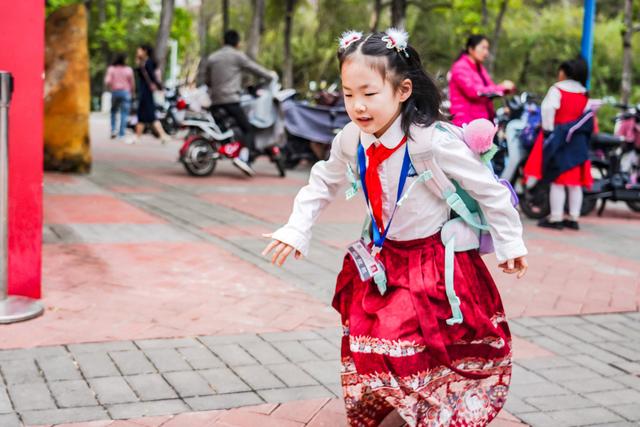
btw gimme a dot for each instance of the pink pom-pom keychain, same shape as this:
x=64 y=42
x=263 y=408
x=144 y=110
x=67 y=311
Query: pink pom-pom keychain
x=478 y=135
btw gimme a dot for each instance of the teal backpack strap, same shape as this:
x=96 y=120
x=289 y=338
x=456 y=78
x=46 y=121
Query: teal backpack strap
x=454 y=301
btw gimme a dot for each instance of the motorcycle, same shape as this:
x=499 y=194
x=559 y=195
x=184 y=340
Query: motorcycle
x=214 y=135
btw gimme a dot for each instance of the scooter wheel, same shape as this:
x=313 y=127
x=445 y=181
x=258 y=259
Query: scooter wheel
x=199 y=158
x=534 y=202
x=280 y=164
x=634 y=205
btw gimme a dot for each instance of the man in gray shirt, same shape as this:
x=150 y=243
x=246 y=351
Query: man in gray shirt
x=222 y=73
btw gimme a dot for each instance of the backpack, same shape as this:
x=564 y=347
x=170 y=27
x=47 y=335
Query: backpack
x=465 y=230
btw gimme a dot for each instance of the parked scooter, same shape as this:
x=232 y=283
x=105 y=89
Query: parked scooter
x=311 y=128
x=215 y=135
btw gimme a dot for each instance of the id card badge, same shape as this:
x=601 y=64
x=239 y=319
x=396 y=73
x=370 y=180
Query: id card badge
x=367 y=265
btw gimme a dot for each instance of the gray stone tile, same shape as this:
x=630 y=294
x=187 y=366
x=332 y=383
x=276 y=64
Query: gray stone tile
x=31 y=396
x=562 y=320
x=59 y=368
x=568 y=373
x=290 y=336
x=65 y=415
x=132 y=362
x=620 y=350
x=614 y=397
x=557 y=335
x=200 y=357
x=326 y=372
x=292 y=375
x=588 y=385
x=632 y=368
x=20 y=371
x=528 y=322
x=224 y=380
x=554 y=346
x=630 y=412
x=151 y=387
x=5 y=403
x=233 y=355
x=537 y=363
x=553 y=403
x=10 y=420
x=295 y=351
x=264 y=352
x=597 y=353
x=606 y=318
x=521 y=376
x=258 y=377
x=516 y=405
x=595 y=365
x=223 y=401
x=167 y=343
x=294 y=393
x=189 y=383
x=631 y=381
x=583 y=416
x=70 y=394
x=96 y=364
x=538 y=389
x=110 y=390
x=323 y=349
x=167 y=359
x=333 y=335
x=101 y=347
x=215 y=340
x=541 y=419
x=147 y=409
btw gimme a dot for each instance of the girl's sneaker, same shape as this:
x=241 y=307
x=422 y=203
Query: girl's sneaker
x=113 y=135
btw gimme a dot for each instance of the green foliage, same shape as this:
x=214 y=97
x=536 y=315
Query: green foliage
x=536 y=36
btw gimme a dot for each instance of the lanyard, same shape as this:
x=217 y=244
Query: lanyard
x=378 y=239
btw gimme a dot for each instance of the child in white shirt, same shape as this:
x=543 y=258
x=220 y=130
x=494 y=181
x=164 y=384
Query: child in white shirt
x=400 y=356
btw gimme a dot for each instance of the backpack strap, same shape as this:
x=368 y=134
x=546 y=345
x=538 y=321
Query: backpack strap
x=423 y=159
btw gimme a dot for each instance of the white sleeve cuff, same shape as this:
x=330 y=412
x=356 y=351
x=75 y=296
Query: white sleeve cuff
x=510 y=250
x=293 y=237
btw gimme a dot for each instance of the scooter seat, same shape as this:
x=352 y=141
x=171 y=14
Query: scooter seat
x=606 y=141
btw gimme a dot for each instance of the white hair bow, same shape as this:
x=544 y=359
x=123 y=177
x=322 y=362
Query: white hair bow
x=397 y=39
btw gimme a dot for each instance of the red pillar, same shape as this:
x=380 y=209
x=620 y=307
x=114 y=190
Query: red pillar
x=22 y=54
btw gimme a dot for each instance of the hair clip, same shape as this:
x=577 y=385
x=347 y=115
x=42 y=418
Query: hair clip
x=349 y=37
x=397 y=39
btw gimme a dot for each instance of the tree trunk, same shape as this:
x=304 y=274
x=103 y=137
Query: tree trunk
x=485 y=14
x=255 y=32
x=627 y=55
x=162 y=39
x=119 y=9
x=495 y=40
x=287 y=78
x=375 y=16
x=205 y=16
x=225 y=16
x=398 y=13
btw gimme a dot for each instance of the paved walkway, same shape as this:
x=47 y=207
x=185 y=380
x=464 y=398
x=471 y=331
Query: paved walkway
x=160 y=310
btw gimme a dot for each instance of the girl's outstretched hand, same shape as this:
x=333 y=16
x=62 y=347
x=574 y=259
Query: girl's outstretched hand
x=280 y=251
x=518 y=265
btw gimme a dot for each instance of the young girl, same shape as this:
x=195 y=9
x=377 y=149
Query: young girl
x=565 y=102
x=399 y=354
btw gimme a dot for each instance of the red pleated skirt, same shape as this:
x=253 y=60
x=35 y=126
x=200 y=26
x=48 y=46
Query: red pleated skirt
x=399 y=353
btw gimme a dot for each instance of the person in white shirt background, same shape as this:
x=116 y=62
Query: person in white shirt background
x=401 y=360
x=566 y=101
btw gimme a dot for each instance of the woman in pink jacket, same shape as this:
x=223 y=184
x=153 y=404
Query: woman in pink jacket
x=468 y=80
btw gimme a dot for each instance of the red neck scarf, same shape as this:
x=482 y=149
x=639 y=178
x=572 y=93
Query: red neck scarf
x=376 y=156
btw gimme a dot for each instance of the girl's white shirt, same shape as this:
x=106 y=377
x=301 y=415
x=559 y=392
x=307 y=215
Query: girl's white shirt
x=551 y=101
x=422 y=214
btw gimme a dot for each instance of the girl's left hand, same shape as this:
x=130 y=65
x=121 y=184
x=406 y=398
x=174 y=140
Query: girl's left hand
x=518 y=265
